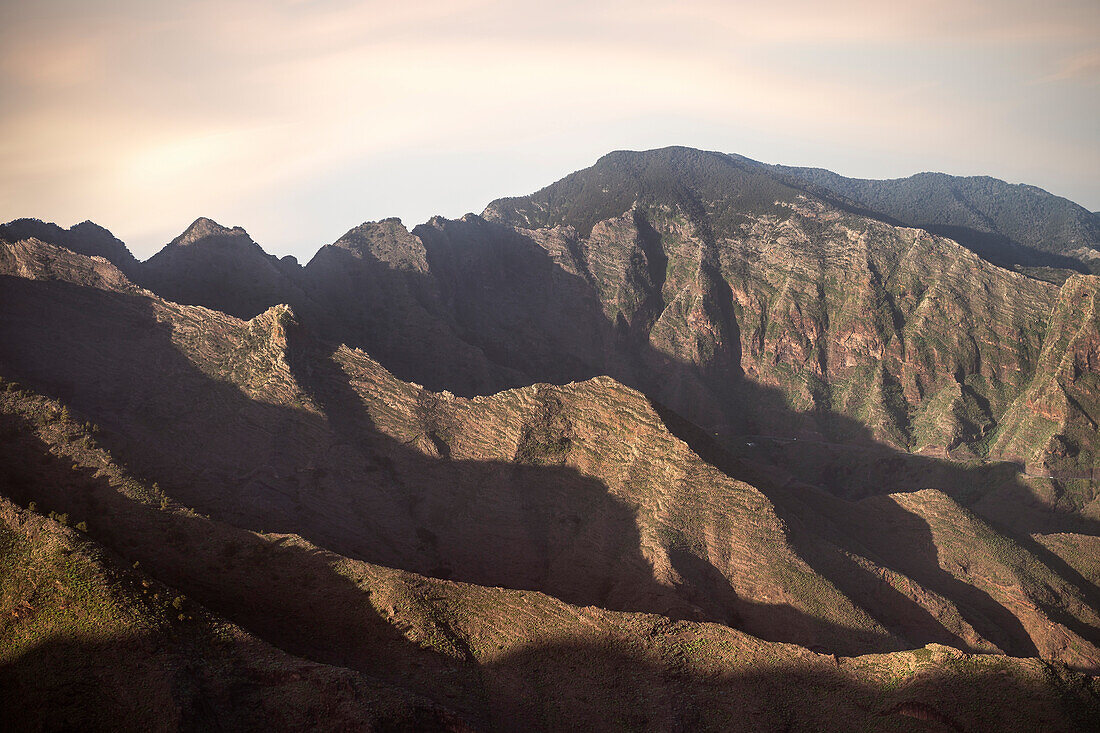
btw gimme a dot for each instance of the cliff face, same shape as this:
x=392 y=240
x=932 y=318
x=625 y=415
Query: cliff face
x=580 y=491
x=714 y=284
x=298 y=490
x=673 y=412
x=1052 y=425
x=867 y=330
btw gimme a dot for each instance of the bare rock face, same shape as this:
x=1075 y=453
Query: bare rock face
x=1052 y=425
x=741 y=308
x=375 y=289
x=581 y=491
x=677 y=414
x=716 y=285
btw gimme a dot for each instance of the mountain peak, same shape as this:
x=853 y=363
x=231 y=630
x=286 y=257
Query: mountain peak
x=387 y=240
x=701 y=183
x=89 y=226
x=678 y=153
x=204 y=228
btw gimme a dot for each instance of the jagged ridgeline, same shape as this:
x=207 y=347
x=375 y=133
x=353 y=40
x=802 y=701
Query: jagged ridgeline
x=681 y=441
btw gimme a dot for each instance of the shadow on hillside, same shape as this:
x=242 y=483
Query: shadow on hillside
x=485 y=269
x=365 y=495
x=105 y=685
x=579 y=686
x=177 y=680
x=919 y=560
x=1003 y=251
x=335 y=480
x=287 y=594
x=848 y=462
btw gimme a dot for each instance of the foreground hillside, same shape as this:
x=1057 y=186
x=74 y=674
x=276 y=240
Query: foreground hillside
x=107 y=650
x=88 y=643
x=544 y=556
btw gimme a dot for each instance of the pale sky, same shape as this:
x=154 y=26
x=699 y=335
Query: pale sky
x=298 y=119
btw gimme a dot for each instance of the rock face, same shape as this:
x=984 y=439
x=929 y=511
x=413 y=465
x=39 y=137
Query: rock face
x=714 y=284
x=376 y=291
x=1053 y=423
x=771 y=420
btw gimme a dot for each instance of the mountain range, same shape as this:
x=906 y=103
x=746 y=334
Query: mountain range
x=680 y=441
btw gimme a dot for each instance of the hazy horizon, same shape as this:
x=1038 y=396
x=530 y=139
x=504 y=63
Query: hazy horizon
x=300 y=119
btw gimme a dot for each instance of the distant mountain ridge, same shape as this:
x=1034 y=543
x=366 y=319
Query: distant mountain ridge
x=1008 y=224
x=219 y=267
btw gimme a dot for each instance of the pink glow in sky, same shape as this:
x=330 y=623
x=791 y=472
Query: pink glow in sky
x=300 y=119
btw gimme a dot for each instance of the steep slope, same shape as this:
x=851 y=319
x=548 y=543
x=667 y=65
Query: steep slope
x=329 y=445
x=579 y=491
x=220 y=268
x=756 y=305
x=1053 y=424
x=206 y=427
x=808 y=297
x=503 y=660
x=1008 y=224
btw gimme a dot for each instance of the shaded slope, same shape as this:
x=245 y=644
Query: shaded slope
x=88 y=643
x=220 y=268
x=579 y=491
x=540 y=664
x=376 y=291
x=690 y=275
x=378 y=478
x=506 y=660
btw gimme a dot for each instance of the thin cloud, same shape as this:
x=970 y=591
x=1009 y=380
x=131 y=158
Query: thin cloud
x=1084 y=67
